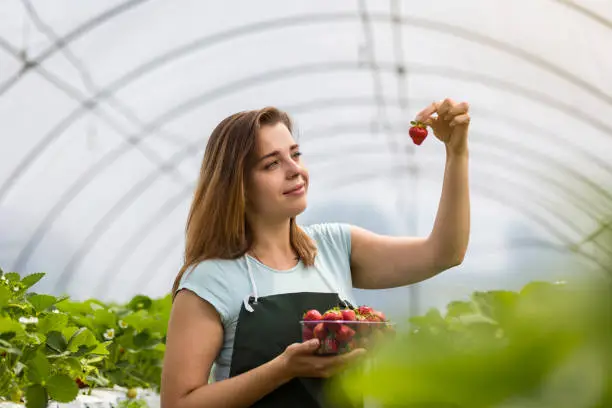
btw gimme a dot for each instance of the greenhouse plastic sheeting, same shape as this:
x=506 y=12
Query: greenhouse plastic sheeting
x=105 y=109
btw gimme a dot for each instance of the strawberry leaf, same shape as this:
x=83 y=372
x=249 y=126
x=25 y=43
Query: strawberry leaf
x=62 y=388
x=36 y=396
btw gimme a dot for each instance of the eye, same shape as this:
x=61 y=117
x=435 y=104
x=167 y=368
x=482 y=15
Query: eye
x=271 y=165
x=296 y=154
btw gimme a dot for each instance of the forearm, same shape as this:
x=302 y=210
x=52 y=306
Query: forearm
x=450 y=234
x=239 y=391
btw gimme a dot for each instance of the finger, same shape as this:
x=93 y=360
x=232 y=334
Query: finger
x=460 y=120
x=423 y=115
x=432 y=121
x=458 y=109
x=308 y=347
x=445 y=107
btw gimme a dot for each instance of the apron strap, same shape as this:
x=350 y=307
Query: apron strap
x=247 y=298
x=333 y=286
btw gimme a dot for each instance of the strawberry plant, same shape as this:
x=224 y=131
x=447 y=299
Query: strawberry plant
x=42 y=350
x=50 y=347
x=547 y=345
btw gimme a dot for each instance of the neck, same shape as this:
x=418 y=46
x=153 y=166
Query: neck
x=271 y=240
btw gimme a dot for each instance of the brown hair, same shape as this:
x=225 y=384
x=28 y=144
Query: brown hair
x=216 y=226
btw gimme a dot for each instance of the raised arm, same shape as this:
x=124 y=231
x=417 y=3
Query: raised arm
x=379 y=261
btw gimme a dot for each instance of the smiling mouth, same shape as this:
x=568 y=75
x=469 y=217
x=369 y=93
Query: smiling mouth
x=297 y=188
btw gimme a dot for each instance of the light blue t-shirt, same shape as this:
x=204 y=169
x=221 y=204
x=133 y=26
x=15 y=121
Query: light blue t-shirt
x=226 y=283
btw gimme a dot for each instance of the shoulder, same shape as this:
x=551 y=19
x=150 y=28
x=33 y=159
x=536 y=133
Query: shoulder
x=213 y=271
x=331 y=235
x=216 y=281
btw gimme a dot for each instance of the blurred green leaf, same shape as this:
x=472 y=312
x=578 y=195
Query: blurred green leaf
x=56 y=342
x=5 y=296
x=62 y=388
x=52 y=322
x=36 y=396
x=30 y=280
x=140 y=302
x=38 y=368
x=42 y=302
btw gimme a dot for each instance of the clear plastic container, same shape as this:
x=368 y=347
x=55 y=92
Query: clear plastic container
x=342 y=336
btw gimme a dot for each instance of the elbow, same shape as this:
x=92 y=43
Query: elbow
x=450 y=260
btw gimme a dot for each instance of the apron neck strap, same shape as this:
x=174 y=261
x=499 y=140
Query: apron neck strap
x=331 y=283
x=246 y=300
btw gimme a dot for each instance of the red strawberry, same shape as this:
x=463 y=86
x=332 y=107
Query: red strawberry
x=320 y=332
x=362 y=327
x=372 y=318
x=332 y=316
x=307 y=333
x=312 y=315
x=330 y=346
x=344 y=334
x=364 y=310
x=80 y=383
x=418 y=132
x=380 y=315
x=348 y=315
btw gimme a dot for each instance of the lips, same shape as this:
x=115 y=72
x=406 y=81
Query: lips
x=296 y=188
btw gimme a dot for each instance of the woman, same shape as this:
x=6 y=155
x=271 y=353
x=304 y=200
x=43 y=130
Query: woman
x=250 y=271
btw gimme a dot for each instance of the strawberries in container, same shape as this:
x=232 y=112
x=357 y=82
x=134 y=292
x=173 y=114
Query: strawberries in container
x=342 y=330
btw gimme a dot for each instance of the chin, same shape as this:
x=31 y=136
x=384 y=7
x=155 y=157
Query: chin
x=296 y=209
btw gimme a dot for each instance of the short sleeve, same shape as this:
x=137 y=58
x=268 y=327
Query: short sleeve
x=340 y=236
x=208 y=281
x=335 y=241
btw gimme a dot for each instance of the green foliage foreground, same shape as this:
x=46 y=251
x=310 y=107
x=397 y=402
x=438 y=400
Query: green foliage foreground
x=50 y=347
x=548 y=345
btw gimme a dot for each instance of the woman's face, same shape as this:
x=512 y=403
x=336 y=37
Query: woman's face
x=278 y=183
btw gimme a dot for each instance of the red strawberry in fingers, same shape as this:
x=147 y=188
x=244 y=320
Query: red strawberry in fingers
x=418 y=132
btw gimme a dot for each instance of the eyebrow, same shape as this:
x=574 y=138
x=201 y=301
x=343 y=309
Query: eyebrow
x=276 y=153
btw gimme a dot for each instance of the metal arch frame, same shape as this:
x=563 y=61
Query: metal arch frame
x=137 y=238
x=125 y=201
x=586 y=12
x=86 y=104
x=239 y=84
x=227 y=35
x=52 y=36
x=80 y=66
x=508 y=200
x=64 y=41
x=419 y=22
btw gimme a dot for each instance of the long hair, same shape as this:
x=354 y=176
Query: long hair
x=217 y=227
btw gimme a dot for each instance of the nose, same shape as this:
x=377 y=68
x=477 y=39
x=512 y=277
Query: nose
x=293 y=170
